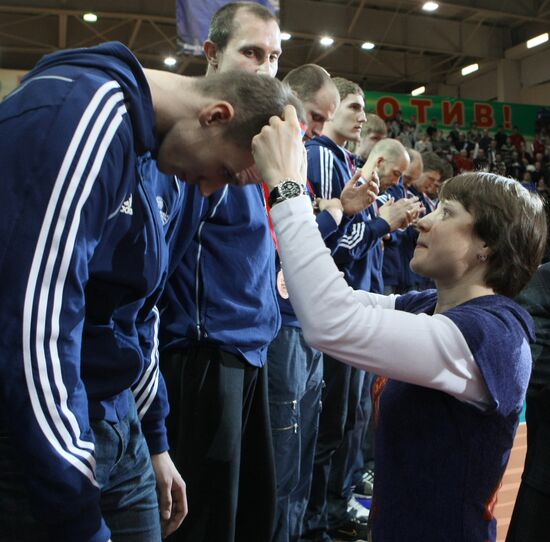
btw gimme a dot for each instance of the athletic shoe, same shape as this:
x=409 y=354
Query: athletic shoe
x=356 y=511
x=351 y=531
x=366 y=485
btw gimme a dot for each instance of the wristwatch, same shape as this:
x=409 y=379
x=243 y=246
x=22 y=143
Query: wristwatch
x=286 y=189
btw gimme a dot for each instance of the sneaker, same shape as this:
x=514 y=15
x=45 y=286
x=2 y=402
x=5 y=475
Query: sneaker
x=367 y=483
x=357 y=512
x=351 y=531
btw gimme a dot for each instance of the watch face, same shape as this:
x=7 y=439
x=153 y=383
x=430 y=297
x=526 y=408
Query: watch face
x=290 y=189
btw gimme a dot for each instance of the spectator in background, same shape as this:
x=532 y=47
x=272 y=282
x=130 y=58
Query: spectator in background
x=473 y=132
x=480 y=161
x=455 y=134
x=515 y=168
x=537 y=145
x=432 y=189
x=492 y=153
x=471 y=145
x=524 y=153
x=440 y=144
x=407 y=136
x=485 y=141
x=500 y=136
x=541 y=157
x=395 y=128
x=462 y=162
x=462 y=143
x=540 y=173
x=423 y=144
x=506 y=150
x=432 y=128
x=527 y=182
x=452 y=148
x=516 y=138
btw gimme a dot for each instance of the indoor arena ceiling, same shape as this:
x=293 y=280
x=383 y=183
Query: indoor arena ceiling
x=412 y=47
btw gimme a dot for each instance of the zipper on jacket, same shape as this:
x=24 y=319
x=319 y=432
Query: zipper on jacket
x=197 y=267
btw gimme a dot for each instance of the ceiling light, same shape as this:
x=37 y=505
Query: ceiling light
x=368 y=45
x=326 y=41
x=430 y=6
x=285 y=36
x=469 y=69
x=538 y=40
x=418 y=91
x=90 y=17
x=170 y=61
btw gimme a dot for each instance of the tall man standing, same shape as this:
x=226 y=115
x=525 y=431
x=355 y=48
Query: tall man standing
x=295 y=370
x=84 y=253
x=330 y=166
x=220 y=314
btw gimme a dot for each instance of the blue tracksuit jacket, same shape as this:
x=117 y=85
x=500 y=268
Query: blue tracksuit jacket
x=329 y=168
x=222 y=289
x=83 y=223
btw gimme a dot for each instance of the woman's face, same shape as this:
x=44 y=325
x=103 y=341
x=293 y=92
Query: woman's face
x=447 y=249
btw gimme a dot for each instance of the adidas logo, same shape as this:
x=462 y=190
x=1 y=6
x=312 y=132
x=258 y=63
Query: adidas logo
x=126 y=206
x=164 y=216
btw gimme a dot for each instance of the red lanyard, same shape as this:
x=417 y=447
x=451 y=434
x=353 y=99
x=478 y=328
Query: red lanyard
x=268 y=211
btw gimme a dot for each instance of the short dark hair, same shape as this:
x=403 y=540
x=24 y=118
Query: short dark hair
x=432 y=162
x=346 y=87
x=307 y=80
x=255 y=99
x=509 y=219
x=222 y=23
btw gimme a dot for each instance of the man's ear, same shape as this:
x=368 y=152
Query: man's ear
x=212 y=53
x=216 y=113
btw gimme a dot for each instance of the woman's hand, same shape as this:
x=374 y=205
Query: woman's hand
x=278 y=150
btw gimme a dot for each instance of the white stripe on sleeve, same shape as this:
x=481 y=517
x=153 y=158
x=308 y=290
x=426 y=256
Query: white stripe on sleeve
x=65 y=440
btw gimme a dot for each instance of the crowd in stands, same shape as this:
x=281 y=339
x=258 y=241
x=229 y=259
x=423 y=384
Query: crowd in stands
x=505 y=152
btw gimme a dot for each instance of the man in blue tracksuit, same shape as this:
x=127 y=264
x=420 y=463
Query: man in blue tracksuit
x=330 y=166
x=295 y=370
x=219 y=314
x=425 y=169
x=85 y=216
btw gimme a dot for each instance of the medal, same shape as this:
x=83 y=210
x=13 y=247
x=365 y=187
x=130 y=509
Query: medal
x=281 y=285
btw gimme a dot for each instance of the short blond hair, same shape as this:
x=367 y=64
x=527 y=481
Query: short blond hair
x=374 y=125
x=346 y=87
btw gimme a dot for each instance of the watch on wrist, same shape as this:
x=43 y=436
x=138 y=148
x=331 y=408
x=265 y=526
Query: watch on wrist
x=286 y=189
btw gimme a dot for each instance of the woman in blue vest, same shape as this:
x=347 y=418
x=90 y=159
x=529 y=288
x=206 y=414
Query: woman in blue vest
x=456 y=358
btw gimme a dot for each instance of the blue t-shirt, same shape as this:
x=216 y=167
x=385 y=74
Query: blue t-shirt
x=439 y=461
